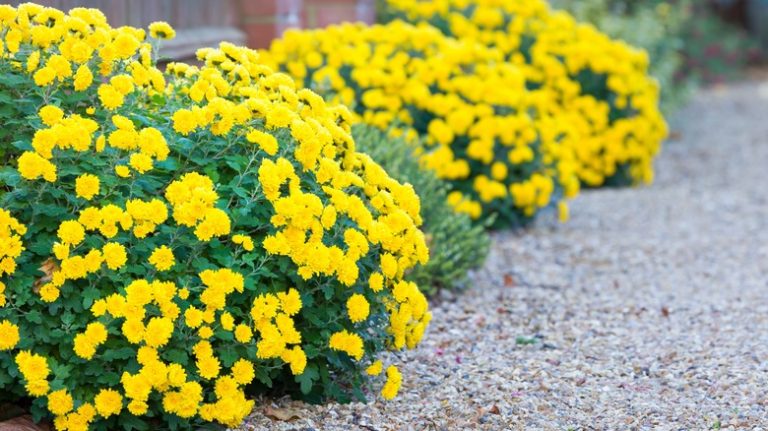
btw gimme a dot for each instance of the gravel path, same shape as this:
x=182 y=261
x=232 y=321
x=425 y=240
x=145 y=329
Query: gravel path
x=649 y=310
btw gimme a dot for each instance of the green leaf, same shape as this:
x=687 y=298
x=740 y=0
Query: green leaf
x=124 y=353
x=307 y=379
x=61 y=372
x=42 y=245
x=67 y=318
x=263 y=377
x=130 y=422
x=328 y=291
x=90 y=294
x=34 y=317
x=109 y=379
x=170 y=164
x=228 y=357
x=176 y=355
x=311 y=351
x=9 y=176
x=211 y=171
x=12 y=79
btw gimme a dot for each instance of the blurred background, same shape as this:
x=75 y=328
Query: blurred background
x=201 y=23
x=691 y=42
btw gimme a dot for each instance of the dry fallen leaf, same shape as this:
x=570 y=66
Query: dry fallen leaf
x=494 y=410
x=22 y=423
x=10 y=411
x=509 y=281
x=48 y=268
x=282 y=414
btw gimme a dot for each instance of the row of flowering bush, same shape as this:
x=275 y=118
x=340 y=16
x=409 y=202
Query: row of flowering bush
x=480 y=129
x=512 y=104
x=171 y=241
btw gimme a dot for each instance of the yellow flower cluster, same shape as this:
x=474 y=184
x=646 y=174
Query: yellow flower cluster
x=480 y=126
x=76 y=133
x=358 y=308
x=35 y=370
x=161 y=30
x=162 y=258
x=181 y=395
x=324 y=149
x=70 y=50
x=9 y=335
x=142 y=216
x=394 y=379
x=87 y=186
x=193 y=199
x=598 y=86
x=244 y=241
x=11 y=245
x=87 y=342
x=186 y=337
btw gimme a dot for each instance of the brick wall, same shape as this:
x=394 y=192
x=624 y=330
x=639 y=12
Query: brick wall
x=263 y=20
x=320 y=13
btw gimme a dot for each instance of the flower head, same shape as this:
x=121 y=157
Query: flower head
x=162 y=258
x=87 y=186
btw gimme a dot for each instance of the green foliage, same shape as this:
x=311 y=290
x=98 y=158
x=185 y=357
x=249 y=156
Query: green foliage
x=456 y=245
x=687 y=42
x=714 y=50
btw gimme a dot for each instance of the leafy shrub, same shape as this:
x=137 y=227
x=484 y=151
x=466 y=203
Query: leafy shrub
x=478 y=126
x=600 y=83
x=687 y=43
x=714 y=50
x=456 y=245
x=171 y=243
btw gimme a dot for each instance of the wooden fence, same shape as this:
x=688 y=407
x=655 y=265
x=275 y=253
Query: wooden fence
x=207 y=22
x=197 y=22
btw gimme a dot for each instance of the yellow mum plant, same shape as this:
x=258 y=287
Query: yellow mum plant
x=601 y=86
x=480 y=128
x=171 y=242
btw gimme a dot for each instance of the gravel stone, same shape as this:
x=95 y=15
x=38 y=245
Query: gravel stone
x=648 y=310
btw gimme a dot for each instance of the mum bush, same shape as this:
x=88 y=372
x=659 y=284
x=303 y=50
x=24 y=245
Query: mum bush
x=456 y=244
x=601 y=84
x=478 y=127
x=656 y=26
x=173 y=242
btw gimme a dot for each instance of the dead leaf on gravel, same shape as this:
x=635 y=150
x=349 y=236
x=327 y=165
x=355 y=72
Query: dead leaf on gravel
x=10 y=411
x=22 y=423
x=494 y=410
x=665 y=311
x=280 y=414
x=675 y=136
x=509 y=281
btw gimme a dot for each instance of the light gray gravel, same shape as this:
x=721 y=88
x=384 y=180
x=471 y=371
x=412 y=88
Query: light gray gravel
x=648 y=310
